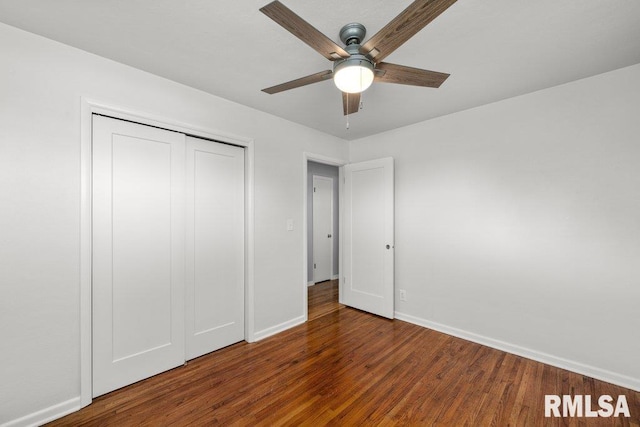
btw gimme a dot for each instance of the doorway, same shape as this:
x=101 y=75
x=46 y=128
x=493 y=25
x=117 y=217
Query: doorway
x=325 y=174
x=365 y=233
x=366 y=246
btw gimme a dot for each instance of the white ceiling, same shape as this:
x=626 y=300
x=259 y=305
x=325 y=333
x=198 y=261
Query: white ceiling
x=493 y=49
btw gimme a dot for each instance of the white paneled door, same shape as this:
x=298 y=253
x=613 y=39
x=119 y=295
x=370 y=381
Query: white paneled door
x=368 y=239
x=138 y=252
x=215 y=246
x=148 y=256
x=322 y=228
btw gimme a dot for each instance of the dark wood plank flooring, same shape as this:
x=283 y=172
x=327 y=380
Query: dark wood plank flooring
x=323 y=299
x=350 y=368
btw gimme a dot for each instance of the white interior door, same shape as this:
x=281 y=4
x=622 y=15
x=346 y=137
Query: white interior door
x=368 y=239
x=215 y=246
x=322 y=228
x=138 y=252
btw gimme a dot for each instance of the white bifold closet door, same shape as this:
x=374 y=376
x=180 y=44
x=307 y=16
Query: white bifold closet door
x=168 y=250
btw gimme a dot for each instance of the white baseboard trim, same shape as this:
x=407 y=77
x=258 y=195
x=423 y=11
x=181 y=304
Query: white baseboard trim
x=46 y=415
x=279 y=328
x=559 y=362
x=335 y=277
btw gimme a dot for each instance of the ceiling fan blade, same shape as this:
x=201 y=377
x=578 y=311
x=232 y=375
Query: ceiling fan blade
x=403 y=27
x=302 y=81
x=304 y=31
x=400 y=74
x=350 y=103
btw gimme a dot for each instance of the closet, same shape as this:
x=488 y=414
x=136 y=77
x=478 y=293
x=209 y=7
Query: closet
x=168 y=250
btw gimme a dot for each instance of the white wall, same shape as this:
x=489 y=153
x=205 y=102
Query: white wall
x=518 y=223
x=41 y=83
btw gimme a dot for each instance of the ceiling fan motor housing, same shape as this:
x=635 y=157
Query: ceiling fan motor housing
x=356 y=58
x=353 y=33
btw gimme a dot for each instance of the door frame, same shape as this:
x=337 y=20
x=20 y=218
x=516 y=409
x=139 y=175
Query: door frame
x=331 y=161
x=326 y=178
x=89 y=107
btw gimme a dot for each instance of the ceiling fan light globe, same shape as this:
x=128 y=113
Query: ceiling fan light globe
x=353 y=77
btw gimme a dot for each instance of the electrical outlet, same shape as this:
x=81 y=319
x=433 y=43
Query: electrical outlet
x=403 y=295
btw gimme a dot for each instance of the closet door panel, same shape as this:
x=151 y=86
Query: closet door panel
x=215 y=246
x=138 y=252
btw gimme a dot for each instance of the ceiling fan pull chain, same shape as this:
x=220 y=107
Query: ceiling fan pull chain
x=361 y=95
x=347 y=115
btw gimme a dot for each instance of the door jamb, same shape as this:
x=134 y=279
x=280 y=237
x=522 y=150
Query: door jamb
x=318 y=158
x=89 y=107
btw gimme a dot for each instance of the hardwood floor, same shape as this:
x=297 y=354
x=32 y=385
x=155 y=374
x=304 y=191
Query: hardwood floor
x=350 y=368
x=323 y=299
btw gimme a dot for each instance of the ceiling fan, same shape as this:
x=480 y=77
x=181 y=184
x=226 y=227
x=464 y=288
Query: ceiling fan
x=358 y=64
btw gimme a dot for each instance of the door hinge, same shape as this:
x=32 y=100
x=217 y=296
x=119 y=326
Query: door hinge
x=314 y=189
x=314 y=266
